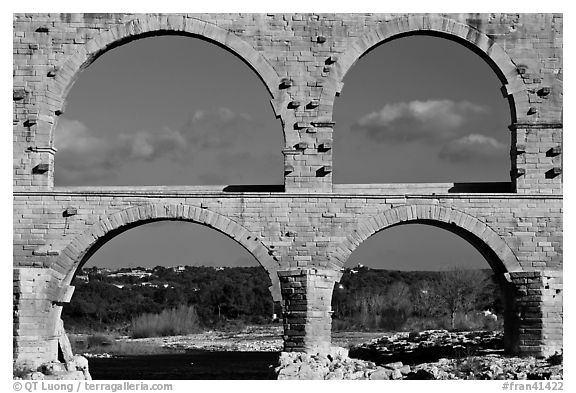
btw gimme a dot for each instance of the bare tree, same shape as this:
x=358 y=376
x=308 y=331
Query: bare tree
x=458 y=289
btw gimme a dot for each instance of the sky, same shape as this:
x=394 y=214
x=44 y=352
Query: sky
x=180 y=111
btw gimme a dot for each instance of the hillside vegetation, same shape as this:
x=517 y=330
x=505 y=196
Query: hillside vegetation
x=140 y=302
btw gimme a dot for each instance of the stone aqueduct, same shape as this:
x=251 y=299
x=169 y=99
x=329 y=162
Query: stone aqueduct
x=301 y=233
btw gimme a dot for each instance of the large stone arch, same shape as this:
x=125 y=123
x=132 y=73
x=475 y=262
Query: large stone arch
x=494 y=249
x=435 y=25
x=497 y=253
x=67 y=71
x=79 y=250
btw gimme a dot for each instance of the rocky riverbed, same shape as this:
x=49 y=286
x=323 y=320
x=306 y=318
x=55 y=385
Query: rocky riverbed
x=434 y=354
x=338 y=365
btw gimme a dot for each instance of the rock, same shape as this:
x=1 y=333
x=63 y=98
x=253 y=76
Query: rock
x=336 y=374
x=290 y=371
x=381 y=374
x=67 y=375
x=338 y=352
x=33 y=375
x=394 y=365
x=405 y=370
x=23 y=367
x=306 y=372
x=53 y=368
x=396 y=374
x=81 y=362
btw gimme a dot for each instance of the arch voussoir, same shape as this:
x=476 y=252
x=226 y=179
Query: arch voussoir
x=107 y=226
x=427 y=214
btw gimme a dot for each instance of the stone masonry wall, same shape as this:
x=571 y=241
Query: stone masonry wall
x=302 y=60
x=303 y=234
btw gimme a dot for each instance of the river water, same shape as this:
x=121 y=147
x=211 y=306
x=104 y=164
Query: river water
x=194 y=364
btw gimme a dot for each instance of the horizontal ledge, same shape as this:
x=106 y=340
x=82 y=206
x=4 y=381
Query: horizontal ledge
x=234 y=188
x=432 y=188
x=353 y=191
x=539 y=125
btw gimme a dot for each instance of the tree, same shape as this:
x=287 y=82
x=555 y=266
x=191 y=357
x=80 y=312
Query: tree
x=458 y=289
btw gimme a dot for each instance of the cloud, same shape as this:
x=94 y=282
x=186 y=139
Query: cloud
x=87 y=155
x=218 y=140
x=472 y=148
x=432 y=120
x=74 y=137
x=220 y=128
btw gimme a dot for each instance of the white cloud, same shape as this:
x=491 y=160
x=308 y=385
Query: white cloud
x=472 y=148
x=218 y=140
x=418 y=120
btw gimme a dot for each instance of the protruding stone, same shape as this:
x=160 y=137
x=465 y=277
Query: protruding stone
x=313 y=104
x=543 y=92
x=285 y=83
x=554 y=151
x=301 y=125
x=41 y=168
x=70 y=211
x=331 y=59
x=519 y=172
x=522 y=68
x=18 y=94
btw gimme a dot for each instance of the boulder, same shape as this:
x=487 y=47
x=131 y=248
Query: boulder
x=33 y=375
x=22 y=367
x=381 y=374
x=336 y=374
x=66 y=375
x=396 y=374
x=53 y=368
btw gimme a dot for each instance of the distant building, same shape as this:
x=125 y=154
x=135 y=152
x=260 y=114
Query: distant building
x=178 y=269
x=131 y=273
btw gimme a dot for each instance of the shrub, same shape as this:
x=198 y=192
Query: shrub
x=176 y=321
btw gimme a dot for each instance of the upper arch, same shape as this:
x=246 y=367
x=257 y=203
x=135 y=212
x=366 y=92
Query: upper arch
x=435 y=25
x=497 y=253
x=67 y=71
x=108 y=226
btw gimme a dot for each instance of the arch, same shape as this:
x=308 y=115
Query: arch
x=434 y=25
x=83 y=246
x=497 y=253
x=143 y=26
